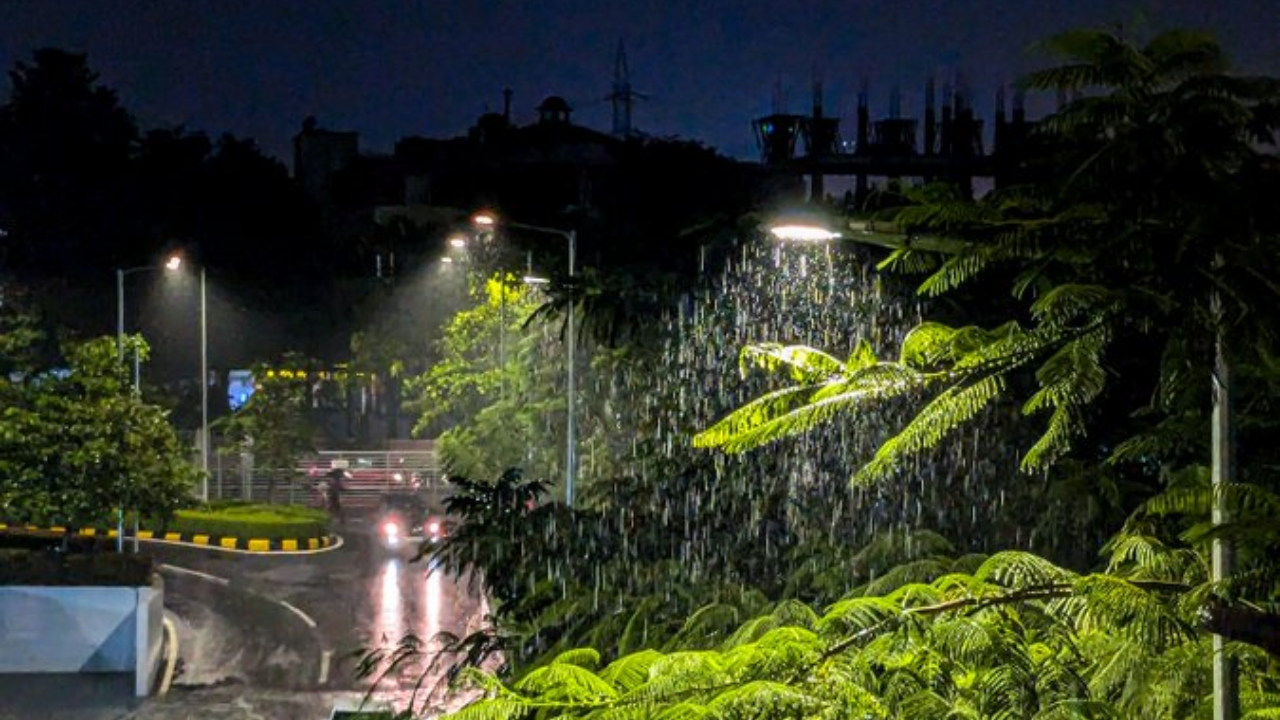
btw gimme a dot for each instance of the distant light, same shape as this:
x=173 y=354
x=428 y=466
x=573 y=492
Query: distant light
x=458 y=242
x=484 y=219
x=173 y=263
x=534 y=280
x=803 y=233
x=447 y=260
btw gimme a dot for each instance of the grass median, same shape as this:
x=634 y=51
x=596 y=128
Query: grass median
x=265 y=522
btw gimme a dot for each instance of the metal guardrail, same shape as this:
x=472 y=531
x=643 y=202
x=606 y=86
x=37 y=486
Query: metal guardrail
x=369 y=475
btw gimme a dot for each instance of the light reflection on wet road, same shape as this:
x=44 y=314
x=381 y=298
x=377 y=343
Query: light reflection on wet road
x=236 y=633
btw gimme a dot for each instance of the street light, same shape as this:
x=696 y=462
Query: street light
x=173 y=263
x=489 y=221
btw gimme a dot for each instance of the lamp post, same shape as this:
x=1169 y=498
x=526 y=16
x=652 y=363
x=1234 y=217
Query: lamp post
x=173 y=263
x=486 y=220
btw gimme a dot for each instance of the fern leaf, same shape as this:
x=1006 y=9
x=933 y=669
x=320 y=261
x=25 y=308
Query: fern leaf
x=764 y=698
x=586 y=658
x=803 y=364
x=1069 y=380
x=928 y=344
x=854 y=615
x=751 y=417
x=942 y=416
x=956 y=271
x=564 y=682
x=630 y=671
x=1070 y=302
x=776 y=415
x=1017 y=570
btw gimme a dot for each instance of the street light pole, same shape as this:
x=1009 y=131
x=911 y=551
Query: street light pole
x=571 y=348
x=120 y=356
x=571 y=425
x=204 y=390
x=173 y=263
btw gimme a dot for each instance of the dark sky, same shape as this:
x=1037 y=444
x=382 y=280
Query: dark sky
x=390 y=68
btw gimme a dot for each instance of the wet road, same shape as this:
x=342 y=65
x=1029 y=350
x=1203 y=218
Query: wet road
x=280 y=635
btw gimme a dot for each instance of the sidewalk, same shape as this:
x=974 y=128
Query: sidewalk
x=85 y=696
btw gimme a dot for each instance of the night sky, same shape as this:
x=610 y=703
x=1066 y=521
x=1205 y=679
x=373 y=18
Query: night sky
x=390 y=68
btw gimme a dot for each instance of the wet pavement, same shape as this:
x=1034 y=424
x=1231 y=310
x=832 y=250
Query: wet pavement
x=278 y=636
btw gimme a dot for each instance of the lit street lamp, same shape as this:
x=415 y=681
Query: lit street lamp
x=173 y=263
x=488 y=221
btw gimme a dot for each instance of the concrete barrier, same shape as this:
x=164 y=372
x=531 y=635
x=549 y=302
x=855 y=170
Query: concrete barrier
x=83 y=630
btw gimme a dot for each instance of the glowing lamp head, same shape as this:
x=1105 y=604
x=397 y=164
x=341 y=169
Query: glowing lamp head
x=390 y=529
x=434 y=528
x=457 y=241
x=173 y=263
x=803 y=233
x=484 y=219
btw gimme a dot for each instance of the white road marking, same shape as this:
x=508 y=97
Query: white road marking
x=325 y=658
x=294 y=609
x=171 y=663
x=193 y=573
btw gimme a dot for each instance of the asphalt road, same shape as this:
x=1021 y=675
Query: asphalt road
x=279 y=635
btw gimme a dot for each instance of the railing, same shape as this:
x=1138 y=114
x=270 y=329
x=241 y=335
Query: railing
x=368 y=476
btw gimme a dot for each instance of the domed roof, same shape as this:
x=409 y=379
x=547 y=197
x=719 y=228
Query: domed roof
x=554 y=104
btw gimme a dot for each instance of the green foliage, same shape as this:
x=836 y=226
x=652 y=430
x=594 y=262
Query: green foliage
x=276 y=424
x=271 y=522
x=1143 y=200
x=76 y=443
x=497 y=380
x=1020 y=638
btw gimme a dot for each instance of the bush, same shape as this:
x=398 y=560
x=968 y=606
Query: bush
x=20 y=566
x=269 y=522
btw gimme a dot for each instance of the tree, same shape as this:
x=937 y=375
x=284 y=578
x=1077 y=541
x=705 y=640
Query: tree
x=1146 y=252
x=1111 y=258
x=75 y=442
x=496 y=381
x=65 y=146
x=276 y=423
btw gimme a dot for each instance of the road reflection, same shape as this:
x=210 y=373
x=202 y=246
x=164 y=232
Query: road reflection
x=432 y=592
x=389 y=626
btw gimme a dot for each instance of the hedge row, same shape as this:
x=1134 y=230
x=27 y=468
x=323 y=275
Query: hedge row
x=267 y=522
x=50 y=567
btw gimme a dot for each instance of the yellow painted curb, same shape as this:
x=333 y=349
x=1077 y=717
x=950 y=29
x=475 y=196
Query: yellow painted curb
x=313 y=544
x=200 y=539
x=228 y=542
x=3 y=526
x=112 y=533
x=88 y=532
x=288 y=544
x=173 y=537
x=324 y=541
x=146 y=534
x=258 y=545
x=58 y=529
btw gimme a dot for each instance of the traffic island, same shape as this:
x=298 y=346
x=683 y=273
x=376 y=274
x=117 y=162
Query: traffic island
x=243 y=527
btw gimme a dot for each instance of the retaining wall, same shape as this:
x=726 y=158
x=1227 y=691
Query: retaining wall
x=82 y=630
